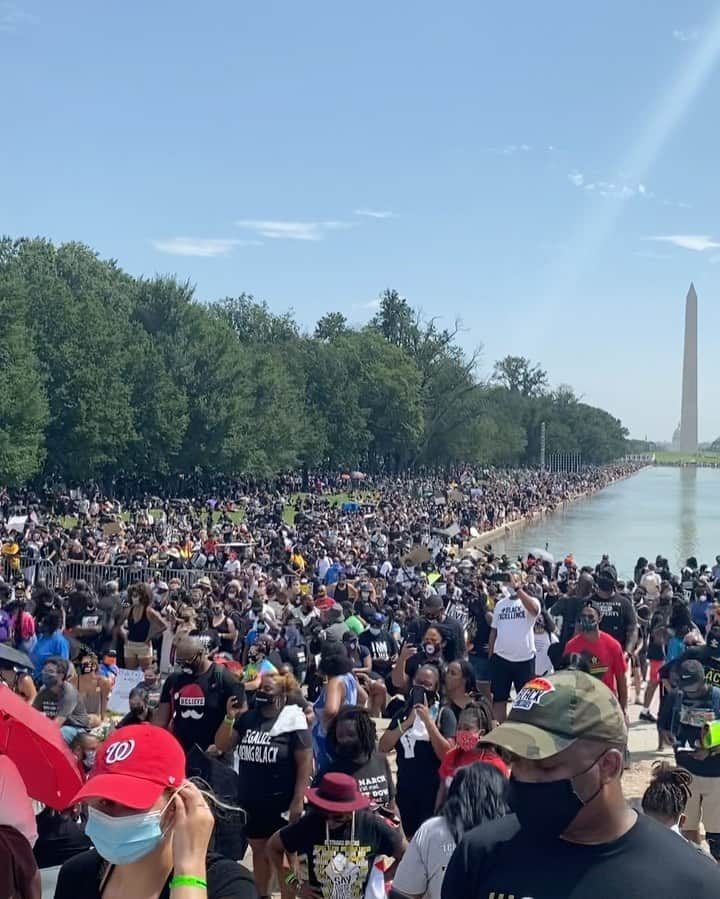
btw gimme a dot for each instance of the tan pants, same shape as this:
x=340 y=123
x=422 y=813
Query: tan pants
x=136 y=654
x=704 y=804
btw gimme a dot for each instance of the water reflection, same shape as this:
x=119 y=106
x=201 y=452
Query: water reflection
x=687 y=535
x=671 y=511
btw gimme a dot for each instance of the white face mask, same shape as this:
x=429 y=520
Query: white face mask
x=430 y=649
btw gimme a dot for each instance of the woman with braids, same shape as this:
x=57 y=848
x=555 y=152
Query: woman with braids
x=475 y=721
x=352 y=741
x=667 y=795
x=476 y=795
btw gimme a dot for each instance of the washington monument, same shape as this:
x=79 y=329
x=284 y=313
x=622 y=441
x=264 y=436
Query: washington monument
x=688 y=437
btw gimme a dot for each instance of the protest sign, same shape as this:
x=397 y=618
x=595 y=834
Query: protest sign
x=118 y=701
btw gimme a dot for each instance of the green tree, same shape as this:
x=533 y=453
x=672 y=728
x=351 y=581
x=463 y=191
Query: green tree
x=519 y=375
x=23 y=402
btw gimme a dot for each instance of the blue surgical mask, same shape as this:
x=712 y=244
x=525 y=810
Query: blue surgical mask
x=123 y=840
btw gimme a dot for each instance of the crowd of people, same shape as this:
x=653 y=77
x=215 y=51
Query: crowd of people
x=367 y=698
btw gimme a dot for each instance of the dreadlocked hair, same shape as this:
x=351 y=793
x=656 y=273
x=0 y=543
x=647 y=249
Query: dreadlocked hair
x=364 y=726
x=668 y=792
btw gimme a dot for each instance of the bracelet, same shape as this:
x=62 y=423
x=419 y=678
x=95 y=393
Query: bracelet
x=229 y=720
x=183 y=881
x=291 y=878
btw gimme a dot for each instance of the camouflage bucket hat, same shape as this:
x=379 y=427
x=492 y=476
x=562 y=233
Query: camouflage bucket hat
x=551 y=713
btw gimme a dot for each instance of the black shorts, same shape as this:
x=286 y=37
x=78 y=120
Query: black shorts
x=505 y=674
x=264 y=817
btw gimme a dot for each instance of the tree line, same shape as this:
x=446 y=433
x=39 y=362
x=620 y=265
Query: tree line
x=108 y=375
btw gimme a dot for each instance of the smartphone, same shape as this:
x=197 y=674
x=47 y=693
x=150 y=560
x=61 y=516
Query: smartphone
x=417 y=696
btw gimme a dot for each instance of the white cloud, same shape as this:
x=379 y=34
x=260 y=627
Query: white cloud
x=199 y=246
x=375 y=213
x=687 y=35
x=698 y=243
x=12 y=17
x=615 y=190
x=280 y=230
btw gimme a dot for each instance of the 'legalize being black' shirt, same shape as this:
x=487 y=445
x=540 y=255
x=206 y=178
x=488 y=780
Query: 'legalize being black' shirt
x=497 y=861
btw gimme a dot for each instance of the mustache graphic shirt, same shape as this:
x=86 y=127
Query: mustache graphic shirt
x=198 y=702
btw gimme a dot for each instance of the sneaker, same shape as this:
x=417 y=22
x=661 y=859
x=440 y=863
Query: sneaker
x=647 y=715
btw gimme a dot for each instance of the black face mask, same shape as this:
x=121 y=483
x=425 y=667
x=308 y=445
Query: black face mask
x=348 y=750
x=547 y=808
x=263 y=698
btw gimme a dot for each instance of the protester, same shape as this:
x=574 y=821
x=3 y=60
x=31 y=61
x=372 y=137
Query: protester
x=50 y=642
x=352 y=744
x=475 y=722
x=274 y=764
x=337 y=842
x=141 y=622
x=60 y=701
x=667 y=795
x=149 y=826
x=572 y=834
x=459 y=687
x=692 y=705
x=512 y=644
x=339 y=688
x=419 y=734
x=197 y=698
x=19 y=875
x=601 y=653
x=476 y=795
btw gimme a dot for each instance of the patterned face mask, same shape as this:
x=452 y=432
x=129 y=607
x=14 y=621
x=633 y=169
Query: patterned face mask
x=467 y=739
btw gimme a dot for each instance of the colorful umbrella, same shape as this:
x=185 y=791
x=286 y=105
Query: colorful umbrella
x=39 y=751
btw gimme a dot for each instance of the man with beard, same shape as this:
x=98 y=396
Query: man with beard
x=198 y=697
x=618 y=614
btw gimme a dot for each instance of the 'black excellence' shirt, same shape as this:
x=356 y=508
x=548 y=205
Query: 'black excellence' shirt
x=497 y=859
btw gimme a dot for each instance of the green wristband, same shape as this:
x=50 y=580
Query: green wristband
x=291 y=878
x=229 y=721
x=183 y=881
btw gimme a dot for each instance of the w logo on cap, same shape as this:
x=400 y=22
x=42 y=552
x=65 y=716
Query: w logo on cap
x=120 y=751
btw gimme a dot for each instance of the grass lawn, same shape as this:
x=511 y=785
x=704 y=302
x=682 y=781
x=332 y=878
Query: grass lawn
x=70 y=521
x=670 y=458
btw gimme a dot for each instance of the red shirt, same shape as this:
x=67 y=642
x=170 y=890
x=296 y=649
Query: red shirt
x=605 y=656
x=458 y=758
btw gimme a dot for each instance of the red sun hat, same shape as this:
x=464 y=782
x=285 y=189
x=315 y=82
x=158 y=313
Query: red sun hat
x=134 y=766
x=337 y=793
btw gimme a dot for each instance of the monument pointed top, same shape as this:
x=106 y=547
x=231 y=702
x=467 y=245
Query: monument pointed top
x=691 y=291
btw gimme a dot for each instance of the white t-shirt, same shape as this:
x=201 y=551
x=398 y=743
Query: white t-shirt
x=422 y=868
x=515 y=640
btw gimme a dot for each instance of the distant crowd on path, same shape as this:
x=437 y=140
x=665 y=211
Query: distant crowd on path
x=40 y=529
x=501 y=685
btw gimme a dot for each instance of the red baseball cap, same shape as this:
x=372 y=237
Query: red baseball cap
x=134 y=766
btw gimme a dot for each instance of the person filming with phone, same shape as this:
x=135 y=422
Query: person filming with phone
x=512 y=643
x=420 y=734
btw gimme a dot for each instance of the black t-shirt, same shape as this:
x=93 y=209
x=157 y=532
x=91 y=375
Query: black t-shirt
x=417 y=763
x=59 y=839
x=381 y=648
x=267 y=766
x=82 y=876
x=198 y=703
x=497 y=859
x=339 y=865
x=374 y=777
x=618 y=617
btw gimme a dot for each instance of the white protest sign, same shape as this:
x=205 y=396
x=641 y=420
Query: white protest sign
x=16 y=523
x=118 y=700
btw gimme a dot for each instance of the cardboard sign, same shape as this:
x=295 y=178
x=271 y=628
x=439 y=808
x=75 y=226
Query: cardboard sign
x=16 y=523
x=119 y=698
x=417 y=555
x=112 y=528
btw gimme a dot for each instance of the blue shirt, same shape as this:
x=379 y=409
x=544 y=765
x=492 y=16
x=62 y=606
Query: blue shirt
x=54 y=645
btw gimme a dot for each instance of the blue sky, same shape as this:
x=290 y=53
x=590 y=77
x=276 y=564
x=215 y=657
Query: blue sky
x=545 y=172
